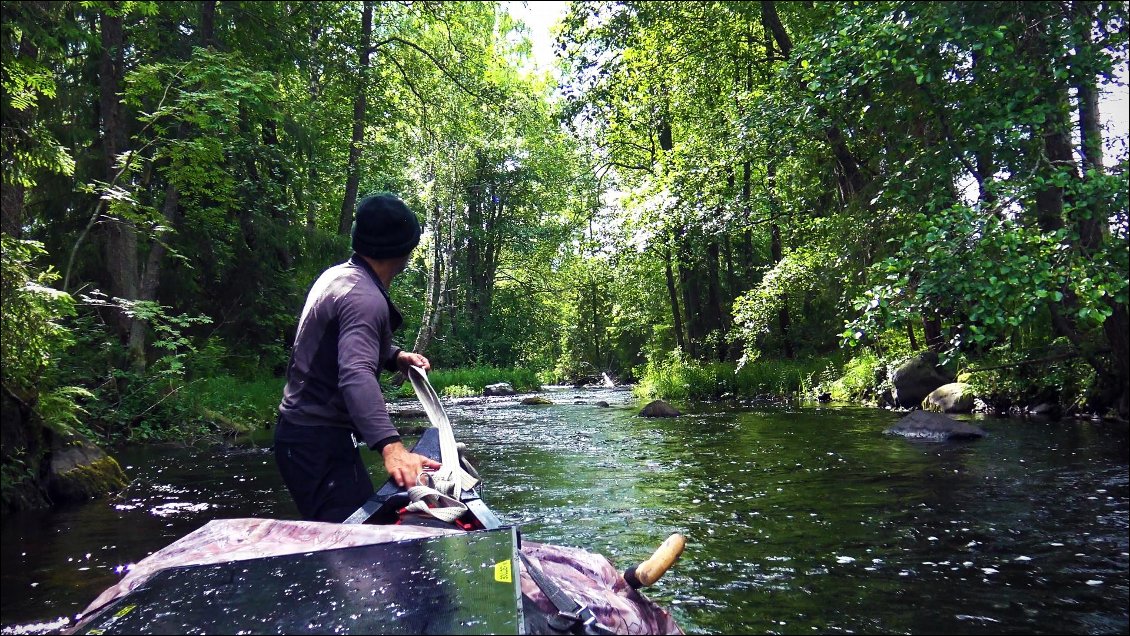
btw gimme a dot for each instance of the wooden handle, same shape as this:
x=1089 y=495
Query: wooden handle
x=648 y=572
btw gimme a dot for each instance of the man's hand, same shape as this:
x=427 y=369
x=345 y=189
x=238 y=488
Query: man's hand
x=407 y=359
x=404 y=466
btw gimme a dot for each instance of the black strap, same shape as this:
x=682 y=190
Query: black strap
x=571 y=616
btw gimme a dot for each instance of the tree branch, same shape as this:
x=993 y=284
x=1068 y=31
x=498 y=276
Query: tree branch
x=426 y=53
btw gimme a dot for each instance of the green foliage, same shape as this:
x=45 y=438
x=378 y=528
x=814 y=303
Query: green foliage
x=231 y=404
x=30 y=316
x=16 y=478
x=798 y=274
x=677 y=378
x=1005 y=377
x=990 y=277
x=29 y=146
x=861 y=380
x=458 y=391
x=62 y=410
x=469 y=381
x=120 y=401
x=34 y=336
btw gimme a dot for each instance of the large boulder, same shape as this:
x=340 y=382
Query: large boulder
x=955 y=397
x=934 y=426
x=81 y=471
x=659 y=408
x=917 y=378
x=502 y=388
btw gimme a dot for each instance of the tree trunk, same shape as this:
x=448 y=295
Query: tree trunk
x=716 y=318
x=783 y=313
x=746 y=243
x=689 y=284
x=597 y=358
x=120 y=234
x=985 y=165
x=306 y=198
x=208 y=23
x=673 y=295
x=1094 y=229
x=932 y=333
x=353 y=169
x=437 y=279
x=776 y=252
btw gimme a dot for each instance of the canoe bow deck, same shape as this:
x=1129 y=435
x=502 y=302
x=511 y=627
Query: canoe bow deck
x=586 y=577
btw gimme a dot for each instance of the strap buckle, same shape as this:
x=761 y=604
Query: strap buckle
x=579 y=621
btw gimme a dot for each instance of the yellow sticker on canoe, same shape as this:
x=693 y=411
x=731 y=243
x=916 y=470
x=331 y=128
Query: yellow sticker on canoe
x=502 y=572
x=113 y=619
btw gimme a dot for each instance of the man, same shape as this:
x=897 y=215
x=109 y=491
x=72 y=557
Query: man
x=332 y=391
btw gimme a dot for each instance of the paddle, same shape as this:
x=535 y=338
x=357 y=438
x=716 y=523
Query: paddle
x=648 y=572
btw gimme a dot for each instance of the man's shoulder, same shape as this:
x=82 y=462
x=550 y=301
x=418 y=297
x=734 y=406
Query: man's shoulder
x=356 y=288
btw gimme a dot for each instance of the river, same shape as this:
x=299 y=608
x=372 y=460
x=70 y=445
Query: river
x=798 y=519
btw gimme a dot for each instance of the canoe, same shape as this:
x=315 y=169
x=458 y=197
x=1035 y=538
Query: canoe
x=396 y=573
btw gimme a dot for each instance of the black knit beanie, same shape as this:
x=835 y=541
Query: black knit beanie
x=384 y=227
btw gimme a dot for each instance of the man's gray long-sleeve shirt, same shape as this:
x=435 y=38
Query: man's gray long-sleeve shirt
x=344 y=339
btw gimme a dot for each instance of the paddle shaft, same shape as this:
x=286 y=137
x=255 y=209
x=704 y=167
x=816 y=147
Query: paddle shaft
x=651 y=570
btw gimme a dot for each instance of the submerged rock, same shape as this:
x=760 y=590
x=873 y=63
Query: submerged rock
x=1046 y=409
x=955 y=397
x=602 y=404
x=659 y=408
x=412 y=430
x=934 y=426
x=536 y=400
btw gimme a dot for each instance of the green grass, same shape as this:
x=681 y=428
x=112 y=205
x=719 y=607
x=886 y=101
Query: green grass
x=679 y=379
x=857 y=384
x=233 y=404
x=469 y=381
x=240 y=404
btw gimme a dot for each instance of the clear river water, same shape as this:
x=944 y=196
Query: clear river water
x=798 y=519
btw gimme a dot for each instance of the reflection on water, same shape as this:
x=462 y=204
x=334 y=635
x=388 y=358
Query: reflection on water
x=798 y=520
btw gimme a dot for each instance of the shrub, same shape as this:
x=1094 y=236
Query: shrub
x=677 y=378
x=860 y=380
x=458 y=391
x=475 y=379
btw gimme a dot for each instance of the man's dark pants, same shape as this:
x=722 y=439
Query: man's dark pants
x=322 y=469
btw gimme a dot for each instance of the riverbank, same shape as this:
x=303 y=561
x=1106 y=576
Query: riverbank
x=1061 y=388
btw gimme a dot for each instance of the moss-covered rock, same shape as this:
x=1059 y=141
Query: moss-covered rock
x=536 y=400
x=955 y=397
x=82 y=471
